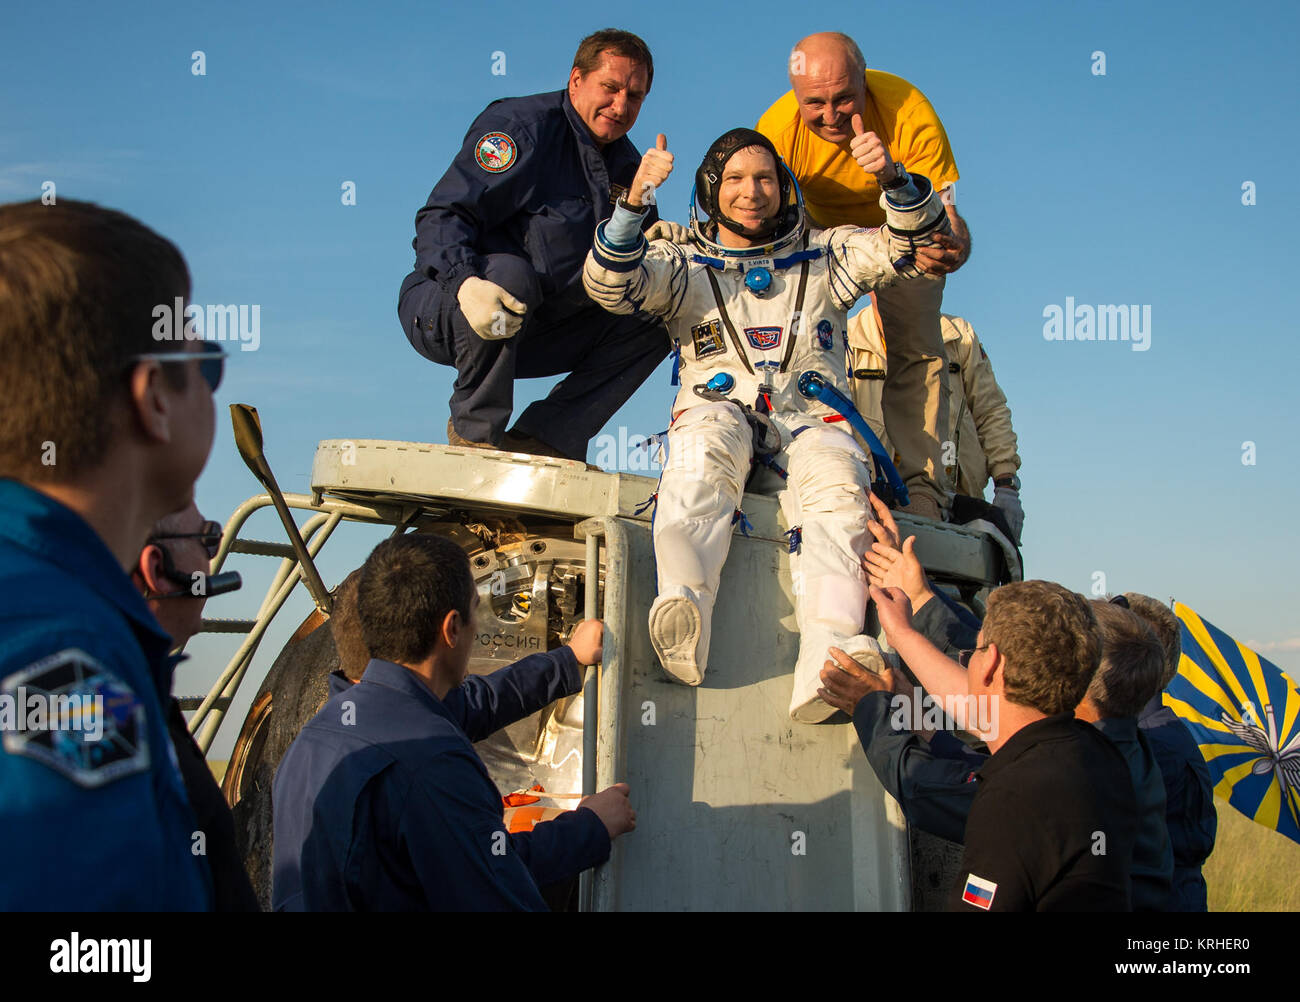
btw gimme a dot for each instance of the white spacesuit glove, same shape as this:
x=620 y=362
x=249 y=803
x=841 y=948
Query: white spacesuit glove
x=493 y=313
x=1007 y=501
x=666 y=229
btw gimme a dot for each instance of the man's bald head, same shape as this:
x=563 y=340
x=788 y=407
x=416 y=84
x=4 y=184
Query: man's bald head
x=826 y=46
x=827 y=72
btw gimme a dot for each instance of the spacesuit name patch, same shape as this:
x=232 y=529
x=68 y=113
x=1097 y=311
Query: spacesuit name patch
x=764 y=338
x=708 y=339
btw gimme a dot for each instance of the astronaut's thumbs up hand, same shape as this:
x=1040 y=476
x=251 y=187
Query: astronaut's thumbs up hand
x=870 y=153
x=492 y=313
x=655 y=167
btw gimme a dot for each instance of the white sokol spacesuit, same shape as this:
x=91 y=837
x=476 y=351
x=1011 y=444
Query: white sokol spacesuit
x=747 y=324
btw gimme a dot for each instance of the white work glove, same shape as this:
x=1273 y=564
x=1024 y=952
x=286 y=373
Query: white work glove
x=493 y=313
x=1007 y=501
x=666 y=229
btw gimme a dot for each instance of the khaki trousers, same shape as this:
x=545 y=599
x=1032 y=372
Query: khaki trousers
x=915 y=397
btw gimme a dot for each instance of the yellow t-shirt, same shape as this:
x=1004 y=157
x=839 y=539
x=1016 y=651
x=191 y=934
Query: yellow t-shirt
x=836 y=190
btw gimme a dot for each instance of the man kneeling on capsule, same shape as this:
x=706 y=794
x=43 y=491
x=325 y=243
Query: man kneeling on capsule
x=757 y=305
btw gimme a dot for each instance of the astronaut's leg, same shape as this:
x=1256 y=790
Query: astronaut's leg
x=826 y=496
x=709 y=449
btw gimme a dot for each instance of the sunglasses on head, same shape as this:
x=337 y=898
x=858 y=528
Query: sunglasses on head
x=209 y=535
x=212 y=362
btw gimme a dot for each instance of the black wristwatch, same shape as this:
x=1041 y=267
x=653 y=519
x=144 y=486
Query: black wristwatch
x=1012 y=481
x=640 y=210
x=900 y=178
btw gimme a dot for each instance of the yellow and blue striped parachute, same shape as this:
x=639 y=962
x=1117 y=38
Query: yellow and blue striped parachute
x=1244 y=712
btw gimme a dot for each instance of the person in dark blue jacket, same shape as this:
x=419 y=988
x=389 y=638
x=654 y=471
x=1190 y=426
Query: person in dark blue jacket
x=1189 y=795
x=497 y=290
x=382 y=804
x=103 y=430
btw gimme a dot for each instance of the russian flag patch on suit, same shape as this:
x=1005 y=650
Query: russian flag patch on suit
x=979 y=892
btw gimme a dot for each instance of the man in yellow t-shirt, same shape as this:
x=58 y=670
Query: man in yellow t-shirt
x=844 y=130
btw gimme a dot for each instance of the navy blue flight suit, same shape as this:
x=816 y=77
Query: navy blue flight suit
x=519 y=206
x=1189 y=801
x=90 y=820
x=382 y=804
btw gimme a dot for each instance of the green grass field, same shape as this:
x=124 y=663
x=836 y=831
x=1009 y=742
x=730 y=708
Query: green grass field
x=1252 y=869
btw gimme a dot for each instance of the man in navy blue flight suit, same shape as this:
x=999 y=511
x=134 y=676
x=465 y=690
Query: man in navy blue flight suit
x=1189 y=794
x=497 y=287
x=103 y=431
x=382 y=804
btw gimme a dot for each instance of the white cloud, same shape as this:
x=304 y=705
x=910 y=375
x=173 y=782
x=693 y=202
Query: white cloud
x=1290 y=644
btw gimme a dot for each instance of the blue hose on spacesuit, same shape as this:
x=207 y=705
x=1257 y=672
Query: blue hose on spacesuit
x=812 y=384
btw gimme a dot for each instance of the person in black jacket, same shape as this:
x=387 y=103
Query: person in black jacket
x=178 y=548
x=1053 y=821
x=1189 y=794
x=937 y=781
x=496 y=290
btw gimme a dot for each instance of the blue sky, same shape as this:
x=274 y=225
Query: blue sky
x=1123 y=188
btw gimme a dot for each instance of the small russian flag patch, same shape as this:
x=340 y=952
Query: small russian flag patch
x=979 y=892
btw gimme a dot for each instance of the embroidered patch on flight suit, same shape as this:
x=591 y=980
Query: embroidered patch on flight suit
x=954 y=367
x=764 y=338
x=868 y=373
x=496 y=152
x=708 y=339
x=825 y=335
x=70 y=713
x=979 y=892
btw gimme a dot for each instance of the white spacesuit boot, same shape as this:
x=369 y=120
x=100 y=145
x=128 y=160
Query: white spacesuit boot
x=826 y=498
x=709 y=448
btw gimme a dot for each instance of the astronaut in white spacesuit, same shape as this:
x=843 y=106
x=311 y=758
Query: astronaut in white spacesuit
x=755 y=300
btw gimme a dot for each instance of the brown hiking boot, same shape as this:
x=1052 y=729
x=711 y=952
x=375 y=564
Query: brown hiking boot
x=515 y=441
x=455 y=439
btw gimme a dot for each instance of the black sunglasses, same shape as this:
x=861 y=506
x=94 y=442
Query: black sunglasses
x=212 y=362
x=209 y=535
x=963 y=657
